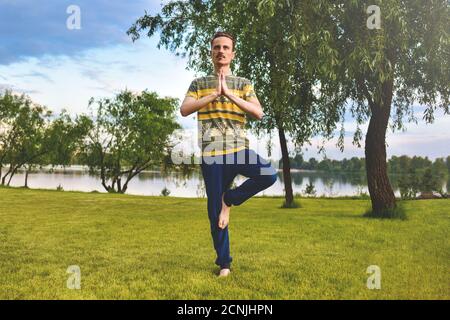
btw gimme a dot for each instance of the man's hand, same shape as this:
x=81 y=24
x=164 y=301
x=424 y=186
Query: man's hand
x=252 y=107
x=218 y=91
x=225 y=91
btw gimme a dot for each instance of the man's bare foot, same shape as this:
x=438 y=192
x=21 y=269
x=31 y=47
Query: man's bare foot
x=224 y=216
x=224 y=272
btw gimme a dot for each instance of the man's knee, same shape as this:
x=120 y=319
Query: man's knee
x=268 y=179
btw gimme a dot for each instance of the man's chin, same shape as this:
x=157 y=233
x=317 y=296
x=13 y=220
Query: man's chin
x=222 y=63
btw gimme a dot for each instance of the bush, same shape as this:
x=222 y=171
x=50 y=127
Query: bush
x=310 y=189
x=165 y=192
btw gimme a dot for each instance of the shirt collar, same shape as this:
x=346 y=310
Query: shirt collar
x=228 y=75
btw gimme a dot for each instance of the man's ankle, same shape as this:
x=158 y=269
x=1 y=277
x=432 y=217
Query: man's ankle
x=225 y=266
x=226 y=201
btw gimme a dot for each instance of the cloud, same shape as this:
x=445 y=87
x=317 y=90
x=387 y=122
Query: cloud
x=38 y=28
x=69 y=82
x=33 y=74
x=14 y=89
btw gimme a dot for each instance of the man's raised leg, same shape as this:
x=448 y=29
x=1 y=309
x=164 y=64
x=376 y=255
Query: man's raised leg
x=261 y=175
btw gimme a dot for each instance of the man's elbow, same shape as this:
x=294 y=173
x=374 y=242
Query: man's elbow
x=259 y=115
x=183 y=112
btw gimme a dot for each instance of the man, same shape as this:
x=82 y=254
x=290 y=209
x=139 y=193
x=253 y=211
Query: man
x=222 y=101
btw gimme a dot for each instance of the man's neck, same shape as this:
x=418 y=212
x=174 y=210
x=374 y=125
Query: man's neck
x=226 y=70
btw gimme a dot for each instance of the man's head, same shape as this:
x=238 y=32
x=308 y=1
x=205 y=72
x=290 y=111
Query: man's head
x=222 y=48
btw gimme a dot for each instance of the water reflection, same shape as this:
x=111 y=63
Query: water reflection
x=190 y=184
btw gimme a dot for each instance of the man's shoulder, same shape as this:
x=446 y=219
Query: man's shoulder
x=204 y=81
x=242 y=79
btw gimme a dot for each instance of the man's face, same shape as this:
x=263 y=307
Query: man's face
x=221 y=51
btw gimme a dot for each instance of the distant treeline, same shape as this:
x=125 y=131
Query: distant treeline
x=415 y=175
x=396 y=165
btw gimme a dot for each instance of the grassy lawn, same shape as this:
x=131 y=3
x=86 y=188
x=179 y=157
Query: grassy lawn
x=140 y=247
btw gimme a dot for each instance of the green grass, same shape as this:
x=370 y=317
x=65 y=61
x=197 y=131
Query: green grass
x=398 y=212
x=137 y=247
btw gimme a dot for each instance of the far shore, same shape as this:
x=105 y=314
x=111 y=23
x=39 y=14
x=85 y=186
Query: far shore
x=81 y=168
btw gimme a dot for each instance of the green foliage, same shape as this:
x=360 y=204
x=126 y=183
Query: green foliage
x=31 y=136
x=129 y=134
x=313 y=61
x=409 y=185
x=165 y=192
x=419 y=174
x=310 y=190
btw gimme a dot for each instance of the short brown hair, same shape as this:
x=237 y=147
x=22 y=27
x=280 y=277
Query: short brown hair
x=224 y=34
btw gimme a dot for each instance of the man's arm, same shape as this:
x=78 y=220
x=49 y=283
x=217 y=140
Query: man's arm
x=191 y=105
x=252 y=106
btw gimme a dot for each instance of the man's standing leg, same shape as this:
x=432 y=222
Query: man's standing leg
x=217 y=176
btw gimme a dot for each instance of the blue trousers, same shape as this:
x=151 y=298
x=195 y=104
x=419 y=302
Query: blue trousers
x=218 y=173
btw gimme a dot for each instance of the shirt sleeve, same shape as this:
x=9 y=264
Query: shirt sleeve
x=193 y=90
x=248 y=90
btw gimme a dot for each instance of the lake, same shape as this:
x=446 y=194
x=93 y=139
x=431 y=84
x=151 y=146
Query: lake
x=77 y=178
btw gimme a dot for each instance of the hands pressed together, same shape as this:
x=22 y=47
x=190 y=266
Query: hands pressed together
x=222 y=88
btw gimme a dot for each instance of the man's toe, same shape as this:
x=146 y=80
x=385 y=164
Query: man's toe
x=224 y=272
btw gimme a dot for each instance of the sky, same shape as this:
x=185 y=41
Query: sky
x=62 y=68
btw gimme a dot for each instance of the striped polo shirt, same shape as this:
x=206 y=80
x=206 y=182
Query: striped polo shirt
x=221 y=123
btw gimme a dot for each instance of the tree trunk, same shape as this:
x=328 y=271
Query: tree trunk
x=26 y=179
x=289 y=197
x=380 y=189
x=12 y=174
x=119 y=185
x=6 y=175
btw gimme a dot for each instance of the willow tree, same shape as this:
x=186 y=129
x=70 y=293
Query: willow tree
x=384 y=57
x=31 y=136
x=266 y=52
x=128 y=134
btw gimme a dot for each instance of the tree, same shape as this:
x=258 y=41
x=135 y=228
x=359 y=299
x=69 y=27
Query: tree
x=325 y=165
x=381 y=72
x=430 y=182
x=295 y=48
x=312 y=163
x=30 y=137
x=128 y=134
x=266 y=54
x=23 y=126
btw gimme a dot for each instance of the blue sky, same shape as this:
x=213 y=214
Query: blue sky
x=63 y=68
